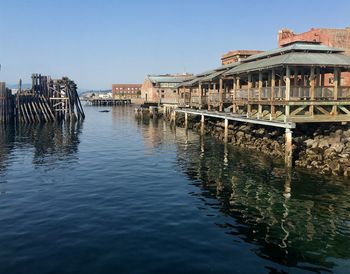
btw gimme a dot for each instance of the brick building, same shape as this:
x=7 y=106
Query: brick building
x=126 y=91
x=237 y=55
x=338 y=38
x=162 y=88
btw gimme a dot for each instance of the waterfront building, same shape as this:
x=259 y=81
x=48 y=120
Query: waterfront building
x=162 y=88
x=126 y=91
x=338 y=38
x=237 y=55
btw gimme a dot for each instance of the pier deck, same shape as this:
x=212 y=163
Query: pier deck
x=109 y=102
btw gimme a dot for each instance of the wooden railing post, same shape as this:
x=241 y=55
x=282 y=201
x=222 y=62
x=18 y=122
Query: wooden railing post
x=287 y=98
x=249 y=106
x=260 y=91
x=220 y=95
x=273 y=84
x=312 y=90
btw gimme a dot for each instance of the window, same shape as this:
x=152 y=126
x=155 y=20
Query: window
x=174 y=91
x=162 y=91
x=162 y=95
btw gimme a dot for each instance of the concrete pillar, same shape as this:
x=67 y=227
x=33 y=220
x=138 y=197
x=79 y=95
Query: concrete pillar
x=226 y=131
x=287 y=98
x=220 y=95
x=190 y=93
x=202 y=124
x=186 y=120
x=288 y=148
x=260 y=93
x=312 y=89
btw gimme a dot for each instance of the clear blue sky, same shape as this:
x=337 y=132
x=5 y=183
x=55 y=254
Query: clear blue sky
x=100 y=42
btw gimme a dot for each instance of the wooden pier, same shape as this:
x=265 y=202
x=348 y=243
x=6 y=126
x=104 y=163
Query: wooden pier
x=300 y=83
x=109 y=102
x=48 y=100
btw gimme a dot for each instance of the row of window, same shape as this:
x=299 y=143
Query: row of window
x=127 y=88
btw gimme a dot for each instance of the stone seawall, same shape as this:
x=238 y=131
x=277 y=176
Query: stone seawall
x=323 y=147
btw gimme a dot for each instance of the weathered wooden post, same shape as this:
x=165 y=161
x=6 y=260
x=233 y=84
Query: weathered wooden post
x=200 y=95
x=220 y=95
x=273 y=85
x=249 y=106
x=312 y=90
x=208 y=98
x=287 y=97
x=336 y=85
x=260 y=91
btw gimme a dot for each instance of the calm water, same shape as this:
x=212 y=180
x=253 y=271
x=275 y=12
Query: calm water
x=117 y=195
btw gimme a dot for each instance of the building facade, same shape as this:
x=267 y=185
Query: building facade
x=237 y=55
x=337 y=38
x=126 y=91
x=162 y=88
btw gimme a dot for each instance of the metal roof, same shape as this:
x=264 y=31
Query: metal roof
x=166 y=79
x=294 y=58
x=303 y=47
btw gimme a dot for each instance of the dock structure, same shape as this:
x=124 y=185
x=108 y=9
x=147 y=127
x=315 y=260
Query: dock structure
x=300 y=83
x=48 y=100
x=109 y=102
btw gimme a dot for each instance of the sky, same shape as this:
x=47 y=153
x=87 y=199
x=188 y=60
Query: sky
x=100 y=42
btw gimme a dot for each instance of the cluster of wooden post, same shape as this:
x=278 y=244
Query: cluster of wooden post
x=6 y=104
x=47 y=101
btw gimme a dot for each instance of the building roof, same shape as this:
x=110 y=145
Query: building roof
x=297 y=47
x=155 y=79
x=240 y=52
x=293 y=58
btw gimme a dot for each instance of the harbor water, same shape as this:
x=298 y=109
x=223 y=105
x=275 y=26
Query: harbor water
x=115 y=194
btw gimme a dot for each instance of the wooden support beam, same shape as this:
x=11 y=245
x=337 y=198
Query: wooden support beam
x=220 y=95
x=200 y=95
x=208 y=97
x=260 y=92
x=287 y=97
x=312 y=89
x=273 y=85
x=249 y=107
x=336 y=85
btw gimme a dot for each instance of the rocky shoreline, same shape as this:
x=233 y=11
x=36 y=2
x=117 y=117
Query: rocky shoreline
x=322 y=147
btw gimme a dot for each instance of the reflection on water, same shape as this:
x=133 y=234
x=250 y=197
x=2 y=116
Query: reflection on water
x=294 y=219
x=51 y=142
x=137 y=196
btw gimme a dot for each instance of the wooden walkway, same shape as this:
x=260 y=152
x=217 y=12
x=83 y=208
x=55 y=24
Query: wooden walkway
x=109 y=102
x=240 y=118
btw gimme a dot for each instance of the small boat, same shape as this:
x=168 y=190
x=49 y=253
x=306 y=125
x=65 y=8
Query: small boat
x=104 y=110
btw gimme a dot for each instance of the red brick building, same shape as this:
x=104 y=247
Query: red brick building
x=338 y=38
x=126 y=91
x=237 y=55
x=162 y=88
